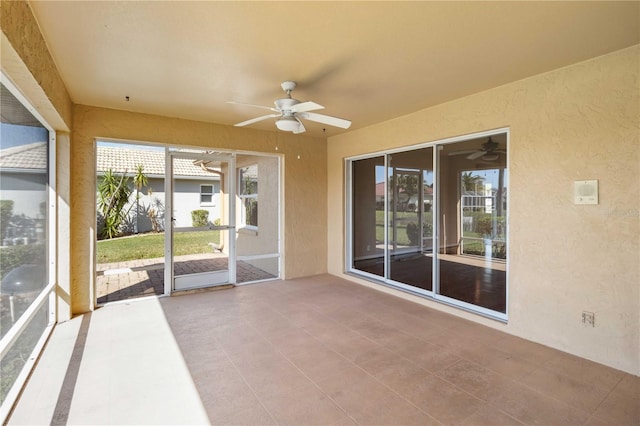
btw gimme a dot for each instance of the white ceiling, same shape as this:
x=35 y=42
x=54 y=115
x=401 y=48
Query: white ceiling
x=364 y=61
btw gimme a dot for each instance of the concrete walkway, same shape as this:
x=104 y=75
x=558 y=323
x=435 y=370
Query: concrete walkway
x=145 y=277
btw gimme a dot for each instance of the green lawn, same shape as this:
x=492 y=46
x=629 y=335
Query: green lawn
x=147 y=246
x=403 y=219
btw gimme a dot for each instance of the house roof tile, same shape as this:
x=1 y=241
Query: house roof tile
x=34 y=157
x=122 y=160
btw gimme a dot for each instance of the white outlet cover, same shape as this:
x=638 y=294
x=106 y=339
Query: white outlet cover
x=585 y=192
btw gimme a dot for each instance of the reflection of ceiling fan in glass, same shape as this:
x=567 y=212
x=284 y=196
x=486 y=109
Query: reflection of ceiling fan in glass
x=488 y=152
x=290 y=113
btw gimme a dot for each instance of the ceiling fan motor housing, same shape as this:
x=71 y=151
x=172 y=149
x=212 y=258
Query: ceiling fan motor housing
x=285 y=104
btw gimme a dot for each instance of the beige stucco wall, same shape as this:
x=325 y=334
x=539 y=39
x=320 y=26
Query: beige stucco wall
x=27 y=61
x=266 y=239
x=304 y=184
x=579 y=122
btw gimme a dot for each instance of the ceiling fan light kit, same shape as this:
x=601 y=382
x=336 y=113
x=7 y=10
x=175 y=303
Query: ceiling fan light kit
x=288 y=124
x=291 y=112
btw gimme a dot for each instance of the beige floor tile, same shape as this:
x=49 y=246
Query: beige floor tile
x=473 y=378
x=526 y=350
x=307 y=405
x=429 y=356
x=355 y=393
x=622 y=405
x=401 y=375
x=320 y=350
x=442 y=400
x=394 y=410
x=274 y=378
x=574 y=392
x=318 y=364
x=255 y=415
x=490 y=416
x=493 y=358
x=534 y=408
x=584 y=370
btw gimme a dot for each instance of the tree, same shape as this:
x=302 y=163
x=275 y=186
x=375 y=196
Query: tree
x=6 y=213
x=113 y=196
x=470 y=182
x=407 y=184
x=114 y=192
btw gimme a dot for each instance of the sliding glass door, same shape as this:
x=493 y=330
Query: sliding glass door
x=434 y=225
x=410 y=189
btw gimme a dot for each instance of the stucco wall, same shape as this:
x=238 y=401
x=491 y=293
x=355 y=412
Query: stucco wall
x=579 y=122
x=304 y=187
x=27 y=60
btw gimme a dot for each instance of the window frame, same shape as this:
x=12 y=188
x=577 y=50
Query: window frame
x=210 y=194
x=47 y=296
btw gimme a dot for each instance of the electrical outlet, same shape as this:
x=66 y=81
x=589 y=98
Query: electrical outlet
x=589 y=318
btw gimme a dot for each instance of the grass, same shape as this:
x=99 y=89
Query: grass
x=147 y=246
x=401 y=225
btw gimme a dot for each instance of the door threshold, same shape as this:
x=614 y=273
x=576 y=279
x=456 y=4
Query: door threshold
x=202 y=290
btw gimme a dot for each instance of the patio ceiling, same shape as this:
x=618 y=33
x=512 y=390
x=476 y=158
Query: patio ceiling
x=367 y=62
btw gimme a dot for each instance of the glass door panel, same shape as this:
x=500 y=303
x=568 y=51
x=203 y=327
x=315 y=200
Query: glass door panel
x=368 y=227
x=472 y=222
x=409 y=231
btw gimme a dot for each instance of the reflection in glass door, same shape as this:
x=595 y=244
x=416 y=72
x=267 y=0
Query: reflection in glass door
x=201 y=244
x=472 y=222
x=410 y=189
x=435 y=225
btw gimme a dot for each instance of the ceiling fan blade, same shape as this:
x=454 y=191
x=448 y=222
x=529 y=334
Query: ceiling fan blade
x=253 y=106
x=326 y=119
x=467 y=152
x=301 y=128
x=255 y=120
x=476 y=154
x=306 y=106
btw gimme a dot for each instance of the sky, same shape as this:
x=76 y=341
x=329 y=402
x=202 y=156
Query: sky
x=15 y=135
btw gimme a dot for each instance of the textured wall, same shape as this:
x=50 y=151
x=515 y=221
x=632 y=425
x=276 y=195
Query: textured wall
x=30 y=65
x=305 y=181
x=579 y=122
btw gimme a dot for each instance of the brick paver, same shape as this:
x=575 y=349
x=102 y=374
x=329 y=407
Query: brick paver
x=145 y=277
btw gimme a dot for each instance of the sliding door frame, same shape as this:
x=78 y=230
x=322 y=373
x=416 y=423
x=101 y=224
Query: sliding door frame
x=434 y=295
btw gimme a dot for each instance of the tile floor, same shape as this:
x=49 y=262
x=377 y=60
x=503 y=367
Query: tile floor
x=318 y=350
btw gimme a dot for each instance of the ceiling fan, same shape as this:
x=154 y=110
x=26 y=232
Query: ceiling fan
x=290 y=113
x=488 y=152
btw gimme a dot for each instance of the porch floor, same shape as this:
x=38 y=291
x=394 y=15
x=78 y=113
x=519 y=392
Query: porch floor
x=316 y=350
x=145 y=277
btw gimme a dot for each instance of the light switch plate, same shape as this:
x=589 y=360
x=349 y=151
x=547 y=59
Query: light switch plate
x=585 y=192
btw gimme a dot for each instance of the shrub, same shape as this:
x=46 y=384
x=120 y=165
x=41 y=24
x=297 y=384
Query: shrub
x=199 y=218
x=6 y=213
x=14 y=256
x=413 y=233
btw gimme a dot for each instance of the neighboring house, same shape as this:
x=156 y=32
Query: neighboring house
x=24 y=169
x=194 y=188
